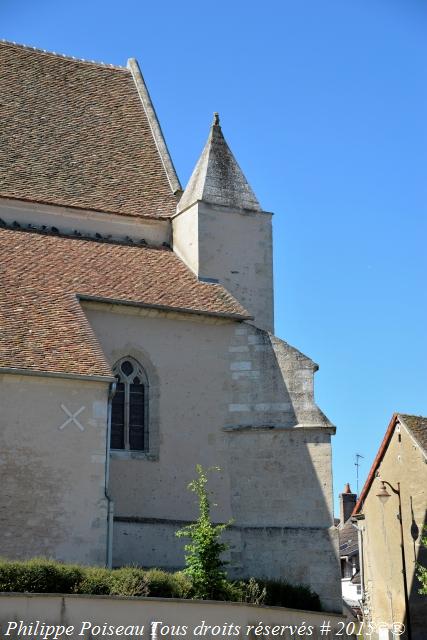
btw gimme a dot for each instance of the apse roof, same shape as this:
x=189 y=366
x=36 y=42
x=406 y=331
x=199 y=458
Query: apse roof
x=81 y=134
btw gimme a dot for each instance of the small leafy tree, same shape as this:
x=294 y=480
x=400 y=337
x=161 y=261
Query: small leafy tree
x=204 y=565
x=422 y=571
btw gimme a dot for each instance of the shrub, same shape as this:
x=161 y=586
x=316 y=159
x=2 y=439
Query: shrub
x=39 y=575
x=281 y=593
x=128 y=581
x=95 y=581
x=167 y=585
x=252 y=592
x=204 y=565
x=274 y=593
x=422 y=570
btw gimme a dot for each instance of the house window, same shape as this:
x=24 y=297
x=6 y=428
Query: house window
x=346 y=569
x=129 y=411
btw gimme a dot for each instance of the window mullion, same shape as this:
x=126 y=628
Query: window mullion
x=126 y=416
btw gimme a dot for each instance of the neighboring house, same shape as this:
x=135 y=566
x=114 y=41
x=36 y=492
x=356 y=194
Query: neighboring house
x=137 y=340
x=349 y=551
x=402 y=463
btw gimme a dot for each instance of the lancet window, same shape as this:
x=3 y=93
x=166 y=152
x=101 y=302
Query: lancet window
x=129 y=411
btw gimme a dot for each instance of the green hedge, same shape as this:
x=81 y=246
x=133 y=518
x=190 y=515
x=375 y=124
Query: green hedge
x=40 y=575
x=297 y=596
x=48 y=576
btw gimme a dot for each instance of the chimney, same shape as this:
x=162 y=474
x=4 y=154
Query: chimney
x=347 y=503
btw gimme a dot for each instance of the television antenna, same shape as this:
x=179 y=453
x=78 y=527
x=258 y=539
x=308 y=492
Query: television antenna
x=357 y=465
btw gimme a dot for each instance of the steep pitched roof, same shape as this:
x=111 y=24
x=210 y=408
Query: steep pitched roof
x=416 y=426
x=42 y=325
x=217 y=178
x=81 y=134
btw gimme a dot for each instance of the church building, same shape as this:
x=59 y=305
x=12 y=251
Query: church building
x=137 y=341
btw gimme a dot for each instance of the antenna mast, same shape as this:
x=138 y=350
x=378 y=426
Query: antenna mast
x=357 y=465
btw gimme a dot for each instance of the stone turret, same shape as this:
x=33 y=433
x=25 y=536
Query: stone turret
x=221 y=232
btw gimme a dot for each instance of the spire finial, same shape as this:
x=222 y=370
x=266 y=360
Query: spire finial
x=215 y=122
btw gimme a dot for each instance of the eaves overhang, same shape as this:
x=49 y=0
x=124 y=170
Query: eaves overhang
x=161 y=307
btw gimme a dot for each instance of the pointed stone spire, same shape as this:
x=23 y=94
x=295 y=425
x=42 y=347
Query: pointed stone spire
x=217 y=178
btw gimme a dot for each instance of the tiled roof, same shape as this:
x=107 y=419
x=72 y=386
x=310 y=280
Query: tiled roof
x=417 y=427
x=43 y=327
x=348 y=541
x=77 y=134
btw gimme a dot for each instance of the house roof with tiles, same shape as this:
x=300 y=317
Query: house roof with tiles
x=45 y=277
x=81 y=134
x=348 y=541
x=416 y=426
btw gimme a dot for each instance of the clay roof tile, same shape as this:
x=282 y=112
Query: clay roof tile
x=43 y=278
x=80 y=134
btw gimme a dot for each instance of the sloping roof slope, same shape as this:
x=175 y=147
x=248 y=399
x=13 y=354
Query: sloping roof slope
x=42 y=324
x=77 y=134
x=348 y=541
x=417 y=427
x=217 y=178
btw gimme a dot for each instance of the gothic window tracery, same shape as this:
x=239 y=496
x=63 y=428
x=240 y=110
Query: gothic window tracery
x=129 y=411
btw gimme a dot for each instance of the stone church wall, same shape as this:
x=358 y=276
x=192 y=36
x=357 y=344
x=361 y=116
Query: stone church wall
x=277 y=481
x=186 y=360
x=68 y=220
x=229 y=395
x=52 y=499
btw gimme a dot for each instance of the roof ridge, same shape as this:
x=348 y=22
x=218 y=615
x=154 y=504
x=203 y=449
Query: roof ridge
x=156 y=130
x=411 y=415
x=63 y=56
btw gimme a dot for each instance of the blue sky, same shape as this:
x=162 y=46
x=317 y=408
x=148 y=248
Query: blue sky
x=324 y=105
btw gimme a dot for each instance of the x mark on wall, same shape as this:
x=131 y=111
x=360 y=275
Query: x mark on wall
x=72 y=418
